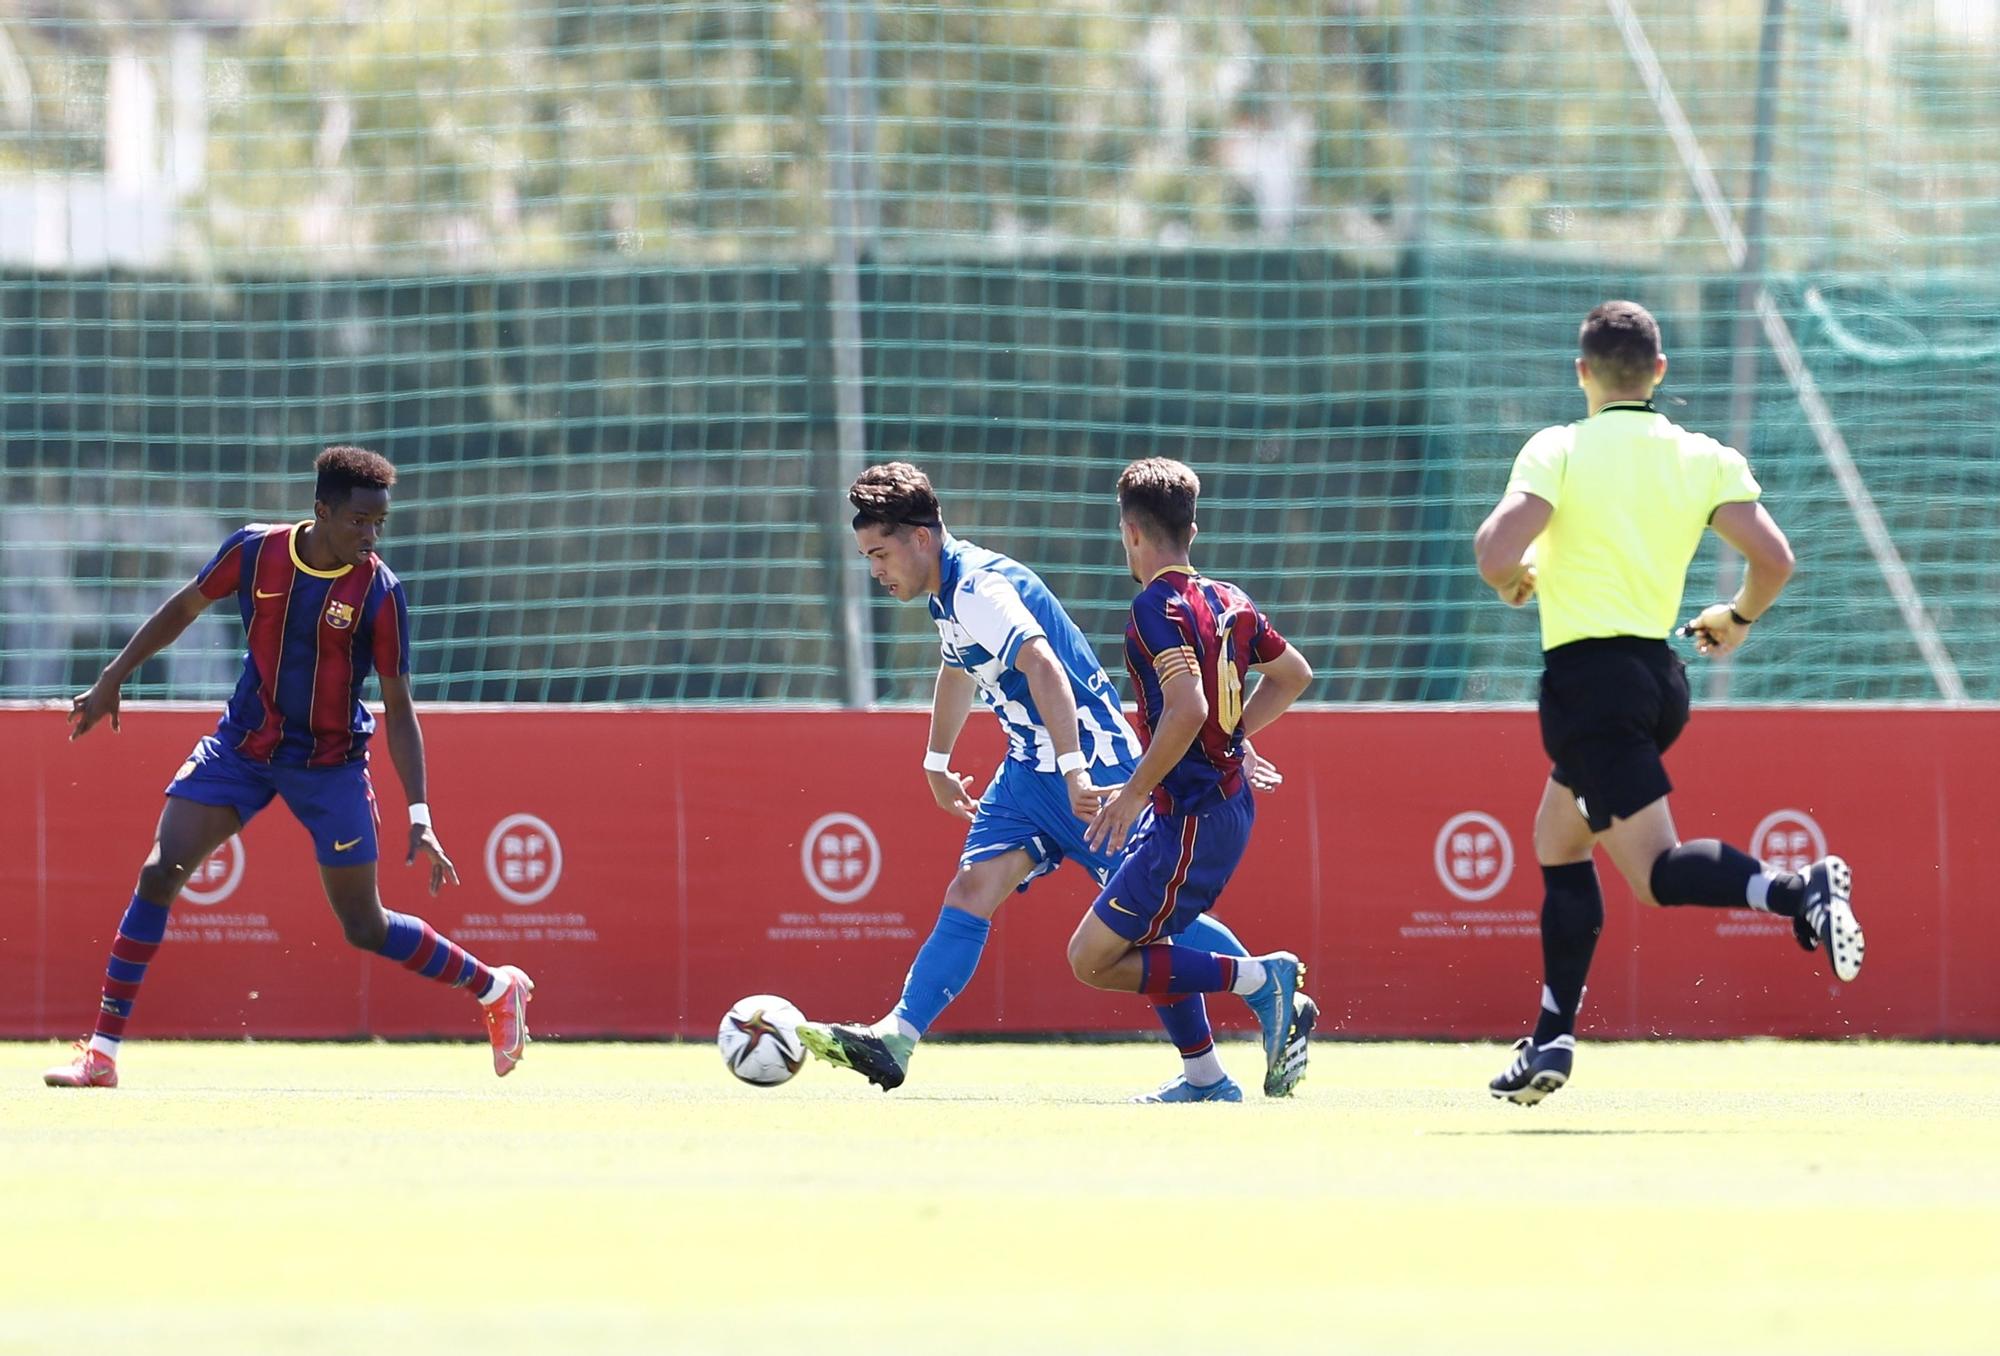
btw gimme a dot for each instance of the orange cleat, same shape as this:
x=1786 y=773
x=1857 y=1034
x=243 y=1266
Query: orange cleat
x=91 y=1068
x=507 y=1020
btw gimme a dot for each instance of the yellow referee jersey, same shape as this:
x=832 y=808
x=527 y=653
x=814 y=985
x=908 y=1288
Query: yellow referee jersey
x=1632 y=492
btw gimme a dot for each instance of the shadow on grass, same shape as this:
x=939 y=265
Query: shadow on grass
x=1564 y=1130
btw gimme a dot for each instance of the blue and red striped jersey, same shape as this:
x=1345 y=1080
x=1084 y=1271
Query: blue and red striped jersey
x=315 y=636
x=1183 y=623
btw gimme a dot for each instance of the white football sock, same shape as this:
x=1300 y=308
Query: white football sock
x=1757 y=894
x=892 y=1025
x=1249 y=976
x=1203 y=1070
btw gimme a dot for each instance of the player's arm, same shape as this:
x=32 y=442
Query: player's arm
x=1503 y=541
x=406 y=751
x=158 y=631
x=1280 y=682
x=1048 y=684
x=950 y=703
x=990 y=608
x=1183 y=709
x=1768 y=563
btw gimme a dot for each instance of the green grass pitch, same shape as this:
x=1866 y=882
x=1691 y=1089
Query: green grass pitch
x=1762 y=1197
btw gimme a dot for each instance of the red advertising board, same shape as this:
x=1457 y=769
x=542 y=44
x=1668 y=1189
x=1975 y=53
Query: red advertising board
x=650 y=867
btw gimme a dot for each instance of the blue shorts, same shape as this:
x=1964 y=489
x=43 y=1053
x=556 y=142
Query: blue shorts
x=1174 y=869
x=1029 y=810
x=336 y=804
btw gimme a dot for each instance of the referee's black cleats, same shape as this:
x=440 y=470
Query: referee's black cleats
x=1537 y=1070
x=1828 y=917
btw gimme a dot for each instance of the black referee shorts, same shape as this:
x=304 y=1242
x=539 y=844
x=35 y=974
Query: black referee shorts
x=1609 y=709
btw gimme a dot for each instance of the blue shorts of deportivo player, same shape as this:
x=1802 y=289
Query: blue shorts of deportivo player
x=1174 y=868
x=336 y=804
x=1029 y=810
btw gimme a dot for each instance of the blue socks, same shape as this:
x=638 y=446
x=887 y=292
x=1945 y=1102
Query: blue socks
x=1165 y=969
x=1186 y=1021
x=1186 y=1018
x=943 y=967
x=949 y=956
x=1206 y=933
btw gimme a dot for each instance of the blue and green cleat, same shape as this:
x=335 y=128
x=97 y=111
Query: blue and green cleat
x=883 y=1059
x=1281 y=1012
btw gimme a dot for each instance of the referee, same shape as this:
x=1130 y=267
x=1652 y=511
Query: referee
x=1600 y=520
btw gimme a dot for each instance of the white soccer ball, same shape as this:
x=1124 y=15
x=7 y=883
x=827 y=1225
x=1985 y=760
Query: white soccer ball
x=759 y=1040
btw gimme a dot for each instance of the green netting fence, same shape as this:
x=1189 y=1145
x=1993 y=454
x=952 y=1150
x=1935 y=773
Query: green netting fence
x=629 y=289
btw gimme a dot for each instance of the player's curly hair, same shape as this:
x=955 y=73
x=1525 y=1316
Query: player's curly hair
x=343 y=470
x=895 y=495
x=1159 y=494
x=1621 y=342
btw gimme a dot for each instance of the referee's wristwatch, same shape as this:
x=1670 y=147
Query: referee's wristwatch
x=1739 y=618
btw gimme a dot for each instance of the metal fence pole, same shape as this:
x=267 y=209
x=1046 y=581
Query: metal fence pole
x=850 y=105
x=1745 y=340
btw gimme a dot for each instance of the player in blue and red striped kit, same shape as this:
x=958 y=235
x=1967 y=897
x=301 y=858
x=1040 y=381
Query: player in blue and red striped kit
x=322 y=612
x=1189 y=647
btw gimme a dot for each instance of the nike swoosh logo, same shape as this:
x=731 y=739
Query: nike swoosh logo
x=1121 y=908
x=279 y=594
x=342 y=847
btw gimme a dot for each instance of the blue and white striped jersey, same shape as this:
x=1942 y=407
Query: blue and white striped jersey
x=986 y=608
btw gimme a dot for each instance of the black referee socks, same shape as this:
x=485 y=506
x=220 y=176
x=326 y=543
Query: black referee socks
x=1709 y=872
x=1572 y=917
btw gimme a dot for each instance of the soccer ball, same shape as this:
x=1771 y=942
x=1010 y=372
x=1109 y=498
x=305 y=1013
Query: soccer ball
x=759 y=1040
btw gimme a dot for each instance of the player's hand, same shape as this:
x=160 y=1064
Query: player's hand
x=953 y=793
x=424 y=839
x=1264 y=774
x=87 y=708
x=1114 y=819
x=1521 y=590
x=1085 y=796
x=1716 y=630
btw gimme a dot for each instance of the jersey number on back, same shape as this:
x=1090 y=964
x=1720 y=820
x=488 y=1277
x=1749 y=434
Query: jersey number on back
x=1228 y=690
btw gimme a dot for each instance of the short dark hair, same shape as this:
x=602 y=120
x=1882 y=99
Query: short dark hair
x=1160 y=493
x=893 y=495
x=343 y=470
x=1621 y=342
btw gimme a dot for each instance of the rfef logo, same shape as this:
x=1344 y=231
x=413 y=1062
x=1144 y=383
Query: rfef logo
x=1473 y=855
x=1789 y=840
x=218 y=875
x=523 y=859
x=840 y=857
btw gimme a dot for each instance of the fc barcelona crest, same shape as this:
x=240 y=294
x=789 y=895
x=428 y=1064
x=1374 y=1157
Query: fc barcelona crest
x=339 y=615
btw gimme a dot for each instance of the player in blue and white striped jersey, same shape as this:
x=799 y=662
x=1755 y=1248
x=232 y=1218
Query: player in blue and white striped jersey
x=1005 y=638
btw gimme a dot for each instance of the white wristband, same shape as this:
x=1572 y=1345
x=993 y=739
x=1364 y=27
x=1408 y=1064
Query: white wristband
x=420 y=813
x=937 y=762
x=1067 y=763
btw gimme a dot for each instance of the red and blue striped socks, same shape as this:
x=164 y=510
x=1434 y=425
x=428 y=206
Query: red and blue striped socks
x=416 y=946
x=139 y=935
x=1182 y=969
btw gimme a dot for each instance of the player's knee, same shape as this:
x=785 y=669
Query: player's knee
x=1088 y=959
x=1081 y=963
x=366 y=931
x=1083 y=958
x=160 y=882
